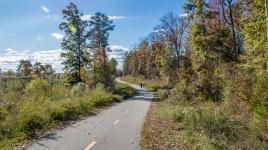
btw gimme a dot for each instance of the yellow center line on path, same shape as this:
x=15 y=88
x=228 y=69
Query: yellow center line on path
x=90 y=145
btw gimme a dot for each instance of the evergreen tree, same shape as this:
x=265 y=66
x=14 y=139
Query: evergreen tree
x=113 y=67
x=75 y=55
x=100 y=27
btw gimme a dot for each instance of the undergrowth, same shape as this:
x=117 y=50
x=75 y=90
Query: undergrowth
x=30 y=112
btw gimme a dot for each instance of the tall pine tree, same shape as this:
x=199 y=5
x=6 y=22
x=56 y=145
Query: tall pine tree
x=74 y=43
x=100 y=27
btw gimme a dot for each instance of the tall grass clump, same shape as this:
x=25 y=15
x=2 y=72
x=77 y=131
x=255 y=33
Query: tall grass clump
x=124 y=90
x=37 y=88
x=79 y=89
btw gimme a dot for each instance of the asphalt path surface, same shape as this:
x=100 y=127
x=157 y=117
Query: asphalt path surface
x=116 y=128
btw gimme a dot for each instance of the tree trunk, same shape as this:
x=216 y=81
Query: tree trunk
x=233 y=29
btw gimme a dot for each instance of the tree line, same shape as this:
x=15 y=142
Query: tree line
x=218 y=53
x=27 y=69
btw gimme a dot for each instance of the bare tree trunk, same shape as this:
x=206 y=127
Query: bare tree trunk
x=233 y=29
x=231 y=23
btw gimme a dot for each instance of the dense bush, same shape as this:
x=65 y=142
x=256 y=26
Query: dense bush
x=13 y=84
x=73 y=78
x=37 y=87
x=79 y=89
x=101 y=98
x=100 y=86
x=124 y=90
x=33 y=117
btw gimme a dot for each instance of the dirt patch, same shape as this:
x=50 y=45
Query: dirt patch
x=160 y=133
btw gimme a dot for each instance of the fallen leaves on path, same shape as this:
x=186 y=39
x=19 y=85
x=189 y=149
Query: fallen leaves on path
x=160 y=133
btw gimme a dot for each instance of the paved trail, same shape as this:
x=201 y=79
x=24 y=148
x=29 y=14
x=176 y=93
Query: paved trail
x=117 y=128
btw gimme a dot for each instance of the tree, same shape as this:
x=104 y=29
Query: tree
x=174 y=27
x=113 y=67
x=210 y=49
x=38 y=69
x=255 y=60
x=230 y=21
x=24 y=68
x=10 y=73
x=100 y=27
x=74 y=43
x=163 y=58
x=131 y=63
x=255 y=37
x=48 y=70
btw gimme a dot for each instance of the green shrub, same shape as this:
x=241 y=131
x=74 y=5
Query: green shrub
x=11 y=97
x=162 y=94
x=100 y=87
x=259 y=102
x=101 y=98
x=124 y=90
x=66 y=110
x=58 y=112
x=37 y=88
x=73 y=79
x=33 y=118
x=79 y=89
x=85 y=105
x=58 y=93
x=15 y=85
x=3 y=113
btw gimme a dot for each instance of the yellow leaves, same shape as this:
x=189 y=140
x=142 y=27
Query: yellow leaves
x=72 y=27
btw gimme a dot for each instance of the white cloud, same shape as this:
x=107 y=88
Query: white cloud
x=118 y=53
x=10 y=60
x=117 y=17
x=116 y=47
x=88 y=17
x=183 y=15
x=9 y=49
x=57 y=36
x=45 y=9
x=159 y=31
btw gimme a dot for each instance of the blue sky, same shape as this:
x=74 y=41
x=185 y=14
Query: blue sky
x=29 y=28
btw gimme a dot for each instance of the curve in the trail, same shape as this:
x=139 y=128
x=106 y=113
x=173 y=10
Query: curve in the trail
x=117 y=128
